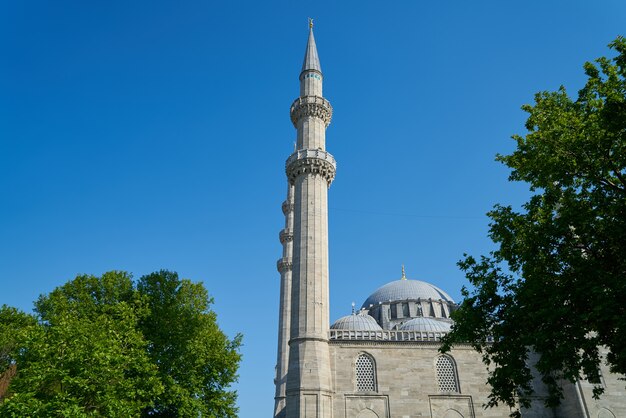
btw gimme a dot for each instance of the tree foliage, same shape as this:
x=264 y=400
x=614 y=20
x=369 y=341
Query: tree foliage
x=96 y=347
x=197 y=362
x=556 y=283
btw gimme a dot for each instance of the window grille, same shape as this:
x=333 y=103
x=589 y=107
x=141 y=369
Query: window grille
x=365 y=374
x=446 y=375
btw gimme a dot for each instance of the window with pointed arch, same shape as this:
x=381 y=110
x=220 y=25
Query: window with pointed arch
x=447 y=376
x=365 y=373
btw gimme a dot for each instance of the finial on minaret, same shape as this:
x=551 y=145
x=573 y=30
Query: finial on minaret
x=310 y=23
x=352 y=308
x=403 y=275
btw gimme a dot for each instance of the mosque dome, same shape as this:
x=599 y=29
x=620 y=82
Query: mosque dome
x=422 y=324
x=404 y=289
x=356 y=322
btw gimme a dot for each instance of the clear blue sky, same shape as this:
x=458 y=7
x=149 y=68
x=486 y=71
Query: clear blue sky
x=147 y=134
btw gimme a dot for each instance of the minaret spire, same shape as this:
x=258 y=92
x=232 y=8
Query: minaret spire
x=311 y=59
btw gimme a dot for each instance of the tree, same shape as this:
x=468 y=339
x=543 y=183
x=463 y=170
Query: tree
x=197 y=362
x=556 y=282
x=85 y=356
x=13 y=326
x=86 y=352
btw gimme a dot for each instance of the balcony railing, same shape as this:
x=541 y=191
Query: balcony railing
x=384 y=335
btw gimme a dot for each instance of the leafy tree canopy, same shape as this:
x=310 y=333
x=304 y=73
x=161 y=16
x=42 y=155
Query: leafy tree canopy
x=103 y=346
x=197 y=362
x=556 y=283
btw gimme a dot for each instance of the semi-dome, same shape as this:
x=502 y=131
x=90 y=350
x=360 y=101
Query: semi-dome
x=426 y=325
x=356 y=322
x=404 y=289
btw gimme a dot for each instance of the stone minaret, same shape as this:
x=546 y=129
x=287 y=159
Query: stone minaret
x=284 y=267
x=310 y=170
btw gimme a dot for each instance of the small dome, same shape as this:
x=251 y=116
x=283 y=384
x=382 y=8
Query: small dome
x=426 y=325
x=404 y=289
x=356 y=322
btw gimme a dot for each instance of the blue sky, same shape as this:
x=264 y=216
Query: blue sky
x=146 y=135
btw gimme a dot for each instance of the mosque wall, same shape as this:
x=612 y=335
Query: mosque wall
x=611 y=404
x=578 y=401
x=409 y=381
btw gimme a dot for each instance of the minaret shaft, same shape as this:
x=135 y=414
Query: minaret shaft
x=309 y=381
x=311 y=83
x=284 y=319
x=311 y=134
x=311 y=258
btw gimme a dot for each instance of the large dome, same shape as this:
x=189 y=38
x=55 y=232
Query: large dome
x=358 y=322
x=404 y=289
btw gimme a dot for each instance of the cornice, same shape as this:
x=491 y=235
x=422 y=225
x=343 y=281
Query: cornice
x=307 y=161
x=284 y=264
x=313 y=106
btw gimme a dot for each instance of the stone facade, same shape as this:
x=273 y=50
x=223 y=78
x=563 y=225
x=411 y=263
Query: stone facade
x=407 y=381
x=578 y=399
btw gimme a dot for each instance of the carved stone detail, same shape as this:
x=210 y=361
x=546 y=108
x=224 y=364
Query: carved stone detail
x=284 y=264
x=310 y=161
x=311 y=106
x=286 y=235
x=288 y=207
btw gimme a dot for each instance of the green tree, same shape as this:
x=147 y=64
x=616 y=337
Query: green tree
x=197 y=362
x=14 y=327
x=87 y=356
x=556 y=282
x=87 y=352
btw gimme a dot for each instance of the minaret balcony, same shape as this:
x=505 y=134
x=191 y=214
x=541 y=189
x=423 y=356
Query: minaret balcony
x=284 y=264
x=312 y=106
x=311 y=161
x=287 y=207
x=285 y=235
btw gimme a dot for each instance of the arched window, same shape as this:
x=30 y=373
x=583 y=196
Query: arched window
x=365 y=372
x=447 y=378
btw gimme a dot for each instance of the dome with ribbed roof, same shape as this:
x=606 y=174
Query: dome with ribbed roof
x=356 y=322
x=405 y=289
x=426 y=325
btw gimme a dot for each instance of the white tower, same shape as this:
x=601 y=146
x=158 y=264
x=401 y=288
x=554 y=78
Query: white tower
x=284 y=266
x=310 y=170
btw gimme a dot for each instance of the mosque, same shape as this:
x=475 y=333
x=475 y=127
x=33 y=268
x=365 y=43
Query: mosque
x=383 y=359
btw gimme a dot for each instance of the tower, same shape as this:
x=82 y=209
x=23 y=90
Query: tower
x=284 y=265
x=304 y=310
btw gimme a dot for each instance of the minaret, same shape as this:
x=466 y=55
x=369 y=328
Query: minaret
x=284 y=266
x=310 y=170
